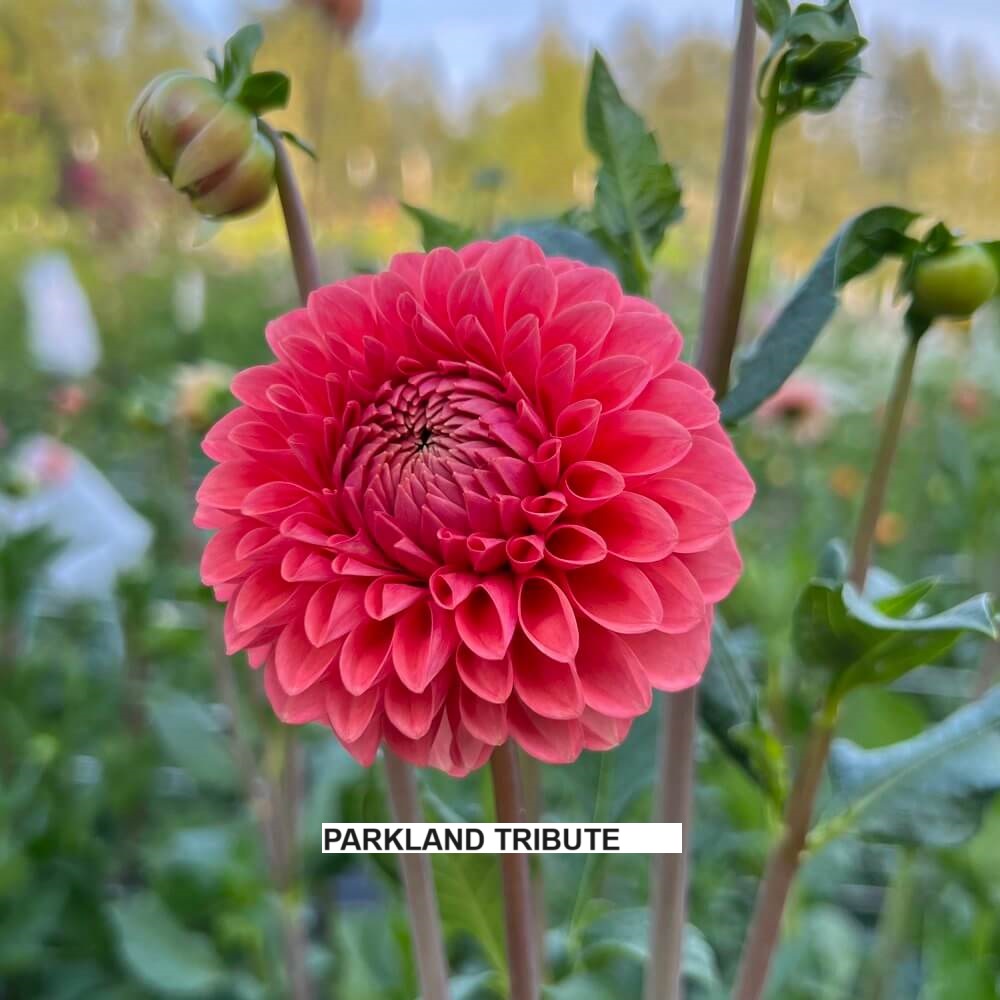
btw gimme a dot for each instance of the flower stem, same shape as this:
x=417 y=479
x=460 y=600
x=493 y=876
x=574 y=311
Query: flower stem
x=765 y=924
x=675 y=789
x=739 y=272
x=300 y=241
x=519 y=915
x=871 y=507
x=418 y=878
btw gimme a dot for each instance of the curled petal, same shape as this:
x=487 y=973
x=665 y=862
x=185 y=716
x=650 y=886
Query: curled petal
x=365 y=656
x=617 y=595
x=491 y=680
x=546 y=618
x=552 y=741
x=486 y=618
x=635 y=528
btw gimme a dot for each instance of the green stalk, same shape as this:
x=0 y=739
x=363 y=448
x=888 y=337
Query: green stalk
x=675 y=783
x=783 y=865
x=719 y=360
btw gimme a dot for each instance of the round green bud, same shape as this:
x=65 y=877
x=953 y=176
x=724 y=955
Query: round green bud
x=206 y=146
x=955 y=282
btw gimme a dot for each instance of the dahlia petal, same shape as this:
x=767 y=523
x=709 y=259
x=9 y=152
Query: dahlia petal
x=570 y=546
x=227 y=485
x=216 y=444
x=640 y=442
x=261 y=597
x=389 y=595
x=531 y=293
x=674 y=662
x=440 y=269
x=552 y=741
x=588 y=284
x=546 y=461
x=601 y=732
x=365 y=748
x=334 y=610
x=584 y=326
x=251 y=386
x=304 y=565
x=522 y=350
x=653 y=337
x=341 y=313
x=524 y=552
x=717 y=470
x=617 y=595
x=413 y=713
x=491 y=680
x=587 y=485
x=546 y=618
x=615 y=382
x=682 y=599
x=485 y=720
x=422 y=644
x=685 y=403
x=365 y=656
x=298 y=663
x=486 y=618
x=450 y=588
x=350 y=715
x=503 y=262
x=612 y=677
x=716 y=569
x=294 y=709
x=555 y=379
x=469 y=296
x=542 y=512
x=577 y=427
x=634 y=527
x=548 y=687
x=699 y=517
x=408 y=267
x=277 y=501
x=219 y=562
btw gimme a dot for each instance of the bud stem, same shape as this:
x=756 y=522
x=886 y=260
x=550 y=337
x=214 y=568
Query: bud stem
x=879 y=479
x=300 y=241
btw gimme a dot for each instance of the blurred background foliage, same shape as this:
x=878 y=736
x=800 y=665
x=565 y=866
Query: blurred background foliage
x=143 y=785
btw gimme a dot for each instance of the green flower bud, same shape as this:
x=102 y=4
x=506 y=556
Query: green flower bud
x=206 y=146
x=954 y=283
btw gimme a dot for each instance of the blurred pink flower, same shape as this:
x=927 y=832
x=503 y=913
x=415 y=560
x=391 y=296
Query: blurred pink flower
x=477 y=497
x=802 y=407
x=343 y=14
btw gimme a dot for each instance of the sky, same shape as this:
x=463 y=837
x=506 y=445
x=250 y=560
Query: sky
x=464 y=38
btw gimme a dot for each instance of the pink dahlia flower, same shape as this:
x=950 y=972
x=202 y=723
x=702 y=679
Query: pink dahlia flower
x=476 y=497
x=802 y=406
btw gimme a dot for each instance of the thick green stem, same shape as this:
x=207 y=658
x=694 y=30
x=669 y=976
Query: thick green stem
x=871 y=507
x=724 y=343
x=519 y=913
x=675 y=786
x=772 y=894
x=418 y=879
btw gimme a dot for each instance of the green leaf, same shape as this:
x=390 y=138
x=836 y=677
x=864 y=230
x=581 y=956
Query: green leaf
x=191 y=736
x=931 y=789
x=471 y=902
x=771 y=14
x=162 y=954
x=436 y=231
x=239 y=55
x=856 y=249
x=624 y=934
x=637 y=194
x=299 y=143
x=265 y=91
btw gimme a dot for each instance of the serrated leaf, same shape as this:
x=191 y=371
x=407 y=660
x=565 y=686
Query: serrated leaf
x=265 y=91
x=637 y=194
x=436 y=231
x=928 y=790
x=162 y=954
x=859 y=246
x=191 y=736
x=240 y=51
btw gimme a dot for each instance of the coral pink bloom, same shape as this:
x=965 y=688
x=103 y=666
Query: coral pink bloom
x=802 y=406
x=477 y=497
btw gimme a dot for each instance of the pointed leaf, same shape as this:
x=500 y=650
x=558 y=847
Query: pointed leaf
x=265 y=91
x=436 y=231
x=239 y=55
x=928 y=790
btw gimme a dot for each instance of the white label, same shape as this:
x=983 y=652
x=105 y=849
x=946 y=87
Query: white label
x=502 y=838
